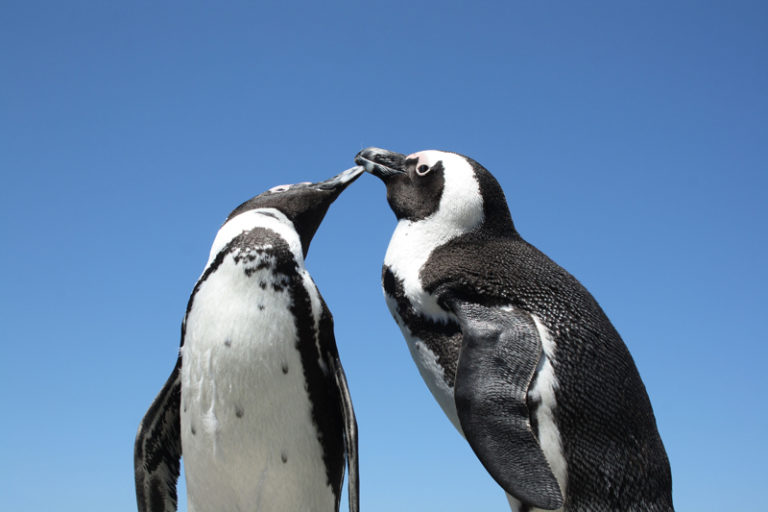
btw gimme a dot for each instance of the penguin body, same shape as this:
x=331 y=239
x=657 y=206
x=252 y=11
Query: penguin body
x=258 y=398
x=516 y=351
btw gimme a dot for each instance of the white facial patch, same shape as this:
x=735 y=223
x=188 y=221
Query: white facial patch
x=460 y=211
x=461 y=205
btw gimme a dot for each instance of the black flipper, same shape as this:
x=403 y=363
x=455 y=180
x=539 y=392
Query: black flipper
x=330 y=354
x=499 y=355
x=157 y=450
x=350 y=434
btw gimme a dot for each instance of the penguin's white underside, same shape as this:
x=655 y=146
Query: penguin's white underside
x=429 y=368
x=247 y=432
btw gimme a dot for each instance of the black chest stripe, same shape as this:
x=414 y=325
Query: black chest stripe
x=326 y=413
x=443 y=339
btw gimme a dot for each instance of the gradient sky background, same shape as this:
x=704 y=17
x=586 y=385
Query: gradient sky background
x=630 y=139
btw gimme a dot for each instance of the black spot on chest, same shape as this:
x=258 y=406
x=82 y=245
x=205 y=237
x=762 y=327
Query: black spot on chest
x=257 y=249
x=443 y=339
x=262 y=249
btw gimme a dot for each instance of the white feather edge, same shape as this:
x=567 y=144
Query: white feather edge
x=542 y=390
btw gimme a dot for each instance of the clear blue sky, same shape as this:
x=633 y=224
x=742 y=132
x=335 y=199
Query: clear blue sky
x=630 y=139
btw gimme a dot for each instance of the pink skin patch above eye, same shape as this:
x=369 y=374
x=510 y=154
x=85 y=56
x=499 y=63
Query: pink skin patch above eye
x=421 y=159
x=418 y=156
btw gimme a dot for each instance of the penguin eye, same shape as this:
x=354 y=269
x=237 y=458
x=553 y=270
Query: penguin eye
x=422 y=170
x=279 y=188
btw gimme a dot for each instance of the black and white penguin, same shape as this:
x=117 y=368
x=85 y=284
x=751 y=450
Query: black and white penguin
x=258 y=401
x=515 y=350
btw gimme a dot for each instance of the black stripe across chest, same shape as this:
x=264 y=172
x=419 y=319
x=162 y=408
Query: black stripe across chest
x=442 y=338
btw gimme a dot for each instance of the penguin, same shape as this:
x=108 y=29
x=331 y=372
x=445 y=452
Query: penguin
x=518 y=354
x=258 y=402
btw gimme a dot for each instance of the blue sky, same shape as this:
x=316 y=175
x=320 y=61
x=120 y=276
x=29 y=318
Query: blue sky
x=630 y=139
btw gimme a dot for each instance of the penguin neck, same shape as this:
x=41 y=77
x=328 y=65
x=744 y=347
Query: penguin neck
x=268 y=218
x=460 y=211
x=499 y=226
x=498 y=220
x=413 y=242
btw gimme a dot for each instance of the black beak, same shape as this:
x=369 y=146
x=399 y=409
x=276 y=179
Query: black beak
x=338 y=183
x=312 y=203
x=381 y=163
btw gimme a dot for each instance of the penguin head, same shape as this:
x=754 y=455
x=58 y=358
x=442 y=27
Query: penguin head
x=450 y=188
x=304 y=204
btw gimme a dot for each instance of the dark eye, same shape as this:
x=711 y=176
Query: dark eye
x=422 y=170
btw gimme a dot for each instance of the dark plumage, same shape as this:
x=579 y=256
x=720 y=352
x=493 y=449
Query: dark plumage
x=506 y=314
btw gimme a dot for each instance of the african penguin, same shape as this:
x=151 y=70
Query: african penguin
x=515 y=350
x=258 y=401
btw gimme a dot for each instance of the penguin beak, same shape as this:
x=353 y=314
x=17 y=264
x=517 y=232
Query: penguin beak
x=381 y=163
x=309 y=202
x=338 y=183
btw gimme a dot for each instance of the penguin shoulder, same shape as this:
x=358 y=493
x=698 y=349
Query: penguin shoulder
x=503 y=269
x=473 y=264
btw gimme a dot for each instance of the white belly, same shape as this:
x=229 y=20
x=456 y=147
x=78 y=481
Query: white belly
x=248 y=440
x=432 y=373
x=410 y=247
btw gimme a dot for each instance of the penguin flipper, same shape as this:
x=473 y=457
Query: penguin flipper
x=350 y=434
x=499 y=355
x=157 y=450
x=332 y=359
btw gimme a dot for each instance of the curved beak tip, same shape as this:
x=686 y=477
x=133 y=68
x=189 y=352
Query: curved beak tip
x=351 y=174
x=343 y=179
x=363 y=160
x=380 y=162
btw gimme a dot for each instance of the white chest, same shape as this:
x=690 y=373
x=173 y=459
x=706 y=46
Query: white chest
x=429 y=368
x=248 y=439
x=410 y=248
x=460 y=211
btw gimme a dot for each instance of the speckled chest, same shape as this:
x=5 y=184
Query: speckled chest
x=241 y=341
x=248 y=432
